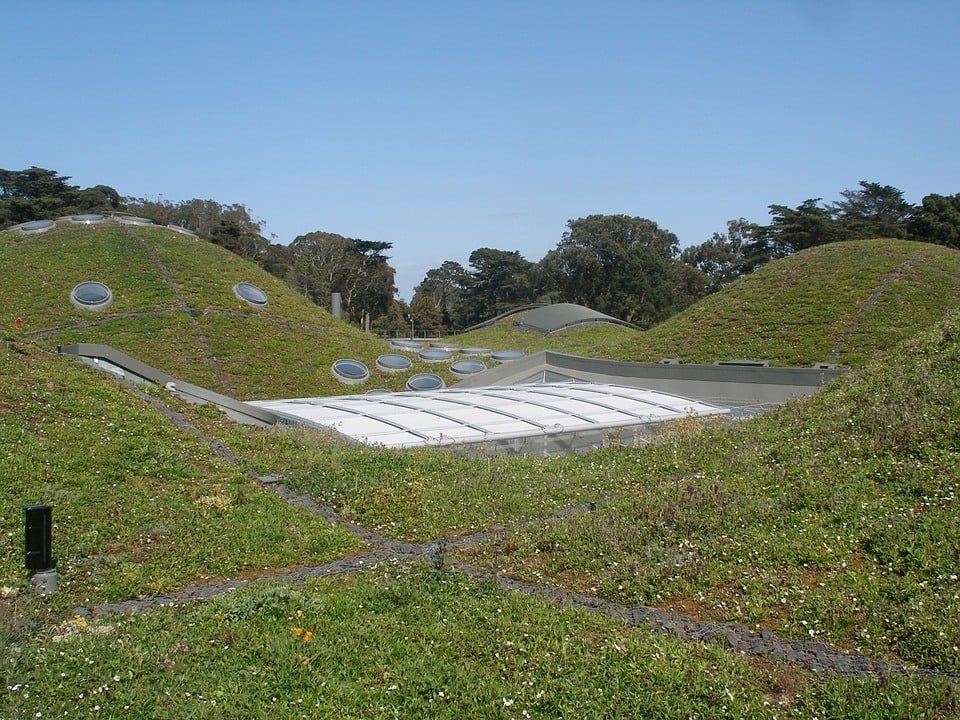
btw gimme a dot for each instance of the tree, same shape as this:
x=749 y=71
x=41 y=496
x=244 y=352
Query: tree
x=229 y=225
x=445 y=286
x=618 y=265
x=872 y=211
x=326 y=263
x=795 y=229
x=723 y=258
x=427 y=319
x=937 y=220
x=37 y=193
x=500 y=280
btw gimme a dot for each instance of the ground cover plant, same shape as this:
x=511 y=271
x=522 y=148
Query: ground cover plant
x=398 y=641
x=141 y=506
x=832 y=520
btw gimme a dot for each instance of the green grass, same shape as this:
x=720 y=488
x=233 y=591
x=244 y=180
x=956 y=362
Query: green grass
x=394 y=643
x=833 y=519
x=140 y=506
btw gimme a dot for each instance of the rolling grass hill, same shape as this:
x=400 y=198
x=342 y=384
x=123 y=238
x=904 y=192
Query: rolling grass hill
x=174 y=308
x=833 y=520
x=840 y=303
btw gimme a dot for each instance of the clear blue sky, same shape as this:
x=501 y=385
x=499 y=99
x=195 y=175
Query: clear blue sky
x=446 y=126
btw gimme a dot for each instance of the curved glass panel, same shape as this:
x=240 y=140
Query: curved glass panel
x=87 y=219
x=405 y=345
x=393 y=363
x=425 y=381
x=435 y=355
x=350 y=372
x=464 y=368
x=475 y=351
x=506 y=355
x=91 y=295
x=37 y=226
x=251 y=294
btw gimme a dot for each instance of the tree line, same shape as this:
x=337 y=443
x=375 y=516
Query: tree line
x=627 y=267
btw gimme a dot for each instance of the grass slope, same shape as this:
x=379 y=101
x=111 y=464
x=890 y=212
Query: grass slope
x=841 y=303
x=174 y=308
x=834 y=519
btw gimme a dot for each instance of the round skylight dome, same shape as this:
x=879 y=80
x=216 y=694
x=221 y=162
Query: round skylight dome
x=182 y=230
x=424 y=382
x=88 y=219
x=132 y=220
x=91 y=295
x=475 y=351
x=391 y=363
x=251 y=294
x=350 y=372
x=37 y=226
x=435 y=355
x=408 y=345
x=466 y=368
x=507 y=355
x=444 y=346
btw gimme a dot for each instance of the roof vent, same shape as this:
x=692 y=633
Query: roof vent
x=744 y=363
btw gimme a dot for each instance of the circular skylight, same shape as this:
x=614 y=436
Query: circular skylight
x=409 y=345
x=475 y=351
x=89 y=219
x=350 y=372
x=435 y=355
x=251 y=294
x=425 y=381
x=182 y=230
x=393 y=363
x=37 y=226
x=91 y=295
x=132 y=220
x=444 y=346
x=465 y=368
x=506 y=355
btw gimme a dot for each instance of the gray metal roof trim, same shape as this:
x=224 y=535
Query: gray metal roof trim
x=158 y=377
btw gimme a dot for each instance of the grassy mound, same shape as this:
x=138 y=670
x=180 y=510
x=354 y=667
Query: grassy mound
x=834 y=519
x=841 y=303
x=174 y=308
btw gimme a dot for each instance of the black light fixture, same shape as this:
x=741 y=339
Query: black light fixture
x=38 y=552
